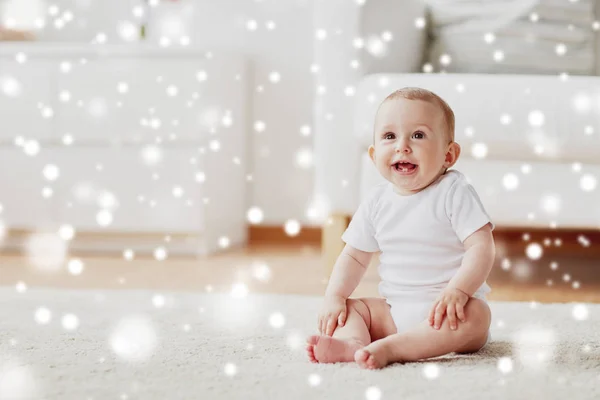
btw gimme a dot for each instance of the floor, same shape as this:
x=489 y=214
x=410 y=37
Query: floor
x=295 y=270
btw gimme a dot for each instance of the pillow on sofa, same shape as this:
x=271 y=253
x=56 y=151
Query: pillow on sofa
x=512 y=36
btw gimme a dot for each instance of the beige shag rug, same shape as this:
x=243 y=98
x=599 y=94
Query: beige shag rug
x=64 y=344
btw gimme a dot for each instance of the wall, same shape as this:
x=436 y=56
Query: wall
x=279 y=187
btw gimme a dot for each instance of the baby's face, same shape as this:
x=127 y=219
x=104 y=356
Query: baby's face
x=411 y=148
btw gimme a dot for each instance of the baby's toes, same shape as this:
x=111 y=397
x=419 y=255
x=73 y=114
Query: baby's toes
x=310 y=350
x=371 y=362
x=361 y=356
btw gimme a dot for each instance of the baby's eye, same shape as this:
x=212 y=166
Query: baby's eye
x=388 y=136
x=418 y=135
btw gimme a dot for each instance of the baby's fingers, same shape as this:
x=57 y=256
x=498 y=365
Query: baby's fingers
x=432 y=313
x=460 y=313
x=331 y=324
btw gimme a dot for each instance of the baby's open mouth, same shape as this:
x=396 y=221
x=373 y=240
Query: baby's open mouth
x=405 y=166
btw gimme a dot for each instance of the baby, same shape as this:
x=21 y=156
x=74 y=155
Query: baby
x=436 y=246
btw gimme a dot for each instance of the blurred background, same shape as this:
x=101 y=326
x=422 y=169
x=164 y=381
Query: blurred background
x=219 y=145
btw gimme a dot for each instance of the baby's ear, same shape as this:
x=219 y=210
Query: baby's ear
x=452 y=155
x=372 y=153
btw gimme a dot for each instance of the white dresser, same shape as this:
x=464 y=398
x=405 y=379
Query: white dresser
x=133 y=142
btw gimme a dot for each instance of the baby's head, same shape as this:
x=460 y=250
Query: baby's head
x=413 y=139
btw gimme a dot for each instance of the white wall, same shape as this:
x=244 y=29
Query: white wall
x=279 y=187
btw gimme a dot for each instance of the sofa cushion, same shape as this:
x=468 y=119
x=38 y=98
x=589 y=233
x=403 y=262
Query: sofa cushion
x=526 y=32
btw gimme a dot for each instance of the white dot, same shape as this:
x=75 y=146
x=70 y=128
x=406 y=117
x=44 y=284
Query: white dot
x=47 y=112
x=70 y=322
x=158 y=300
x=561 y=49
x=551 y=204
x=510 y=181
x=261 y=272
x=251 y=25
x=498 y=55
x=21 y=57
x=387 y=36
x=314 y=380
x=505 y=365
x=42 y=315
x=51 y=172
x=65 y=67
x=239 y=290
x=200 y=177
x=427 y=68
x=479 y=150
x=534 y=251
x=224 y=242
x=122 y=87
x=104 y=218
x=506 y=264
x=349 y=91
x=21 y=287
x=277 y=320
x=305 y=130
x=321 y=34
x=172 y=90
x=134 y=339
x=10 y=86
x=526 y=169
x=489 y=38
x=588 y=182
x=66 y=232
x=431 y=371
x=160 y=253
x=304 y=158
x=31 y=147
x=128 y=254
x=75 y=266
x=255 y=215
x=214 y=145
x=373 y=393
x=201 y=76
x=505 y=119
x=177 y=191
x=445 y=59
x=274 y=77
x=270 y=25
x=292 y=227
x=230 y=369
x=536 y=118
x=259 y=126
x=580 y=312
x=420 y=23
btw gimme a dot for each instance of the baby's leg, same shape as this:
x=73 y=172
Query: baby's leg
x=367 y=319
x=423 y=341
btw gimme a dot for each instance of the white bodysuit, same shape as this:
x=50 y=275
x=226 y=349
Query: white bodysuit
x=420 y=238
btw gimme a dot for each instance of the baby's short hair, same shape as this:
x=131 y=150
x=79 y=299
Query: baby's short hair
x=416 y=93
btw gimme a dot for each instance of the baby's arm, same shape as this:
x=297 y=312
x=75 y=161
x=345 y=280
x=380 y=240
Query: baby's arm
x=348 y=271
x=476 y=263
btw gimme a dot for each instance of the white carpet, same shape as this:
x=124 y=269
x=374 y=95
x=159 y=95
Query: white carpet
x=554 y=354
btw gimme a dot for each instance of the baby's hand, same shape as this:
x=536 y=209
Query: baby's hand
x=452 y=302
x=333 y=313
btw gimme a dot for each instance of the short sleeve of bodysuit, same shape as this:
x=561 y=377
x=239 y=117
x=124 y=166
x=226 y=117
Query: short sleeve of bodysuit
x=465 y=209
x=360 y=234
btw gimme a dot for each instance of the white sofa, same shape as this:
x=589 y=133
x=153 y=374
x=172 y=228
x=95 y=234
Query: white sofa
x=556 y=164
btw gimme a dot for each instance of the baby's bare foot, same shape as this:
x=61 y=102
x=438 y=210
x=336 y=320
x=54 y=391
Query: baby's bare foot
x=374 y=356
x=326 y=349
